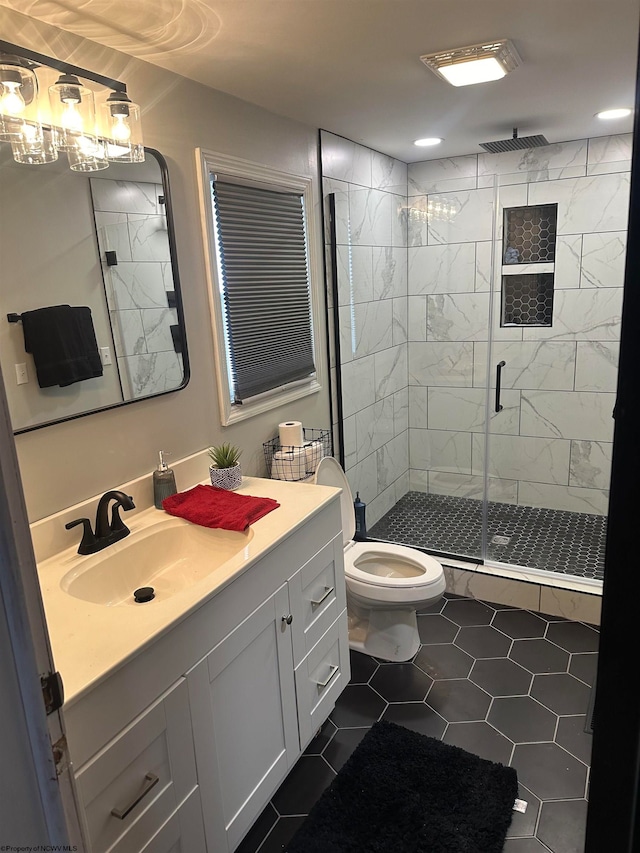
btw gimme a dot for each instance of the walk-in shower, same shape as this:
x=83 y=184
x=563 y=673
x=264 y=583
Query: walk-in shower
x=475 y=302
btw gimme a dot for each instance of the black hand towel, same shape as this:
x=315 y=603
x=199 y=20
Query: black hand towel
x=62 y=341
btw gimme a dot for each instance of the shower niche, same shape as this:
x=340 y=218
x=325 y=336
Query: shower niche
x=528 y=265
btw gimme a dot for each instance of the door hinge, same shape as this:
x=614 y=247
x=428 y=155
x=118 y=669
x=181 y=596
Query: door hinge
x=52 y=691
x=60 y=755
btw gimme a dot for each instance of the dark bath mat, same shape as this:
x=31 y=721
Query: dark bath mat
x=403 y=792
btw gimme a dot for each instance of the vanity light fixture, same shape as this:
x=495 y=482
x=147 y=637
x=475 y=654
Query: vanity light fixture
x=428 y=141
x=621 y=112
x=39 y=127
x=478 y=63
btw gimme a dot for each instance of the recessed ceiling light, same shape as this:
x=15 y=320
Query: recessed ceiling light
x=429 y=140
x=479 y=63
x=617 y=113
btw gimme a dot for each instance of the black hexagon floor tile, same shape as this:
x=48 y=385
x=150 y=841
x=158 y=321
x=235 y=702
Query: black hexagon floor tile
x=281 y=834
x=468 y=611
x=322 y=738
x=549 y=771
x=358 y=705
x=519 y=624
x=539 y=656
x=418 y=717
x=571 y=735
x=362 y=667
x=562 y=825
x=403 y=682
x=501 y=677
x=302 y=787
x=483 y=642
x=458 y=700
x=435 y=628
x=561 y=693
x=481 y=739
x=524 y=823
x=574 y=636
x=584 y=666
x=342 y=745
x=444 y=661
x=522 y=719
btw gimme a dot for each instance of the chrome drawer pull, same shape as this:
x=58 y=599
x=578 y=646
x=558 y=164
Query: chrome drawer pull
x=150 y=780
x=333 y=670
x=328 y=591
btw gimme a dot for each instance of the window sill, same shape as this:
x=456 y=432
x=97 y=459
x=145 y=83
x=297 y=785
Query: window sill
x=234 y=413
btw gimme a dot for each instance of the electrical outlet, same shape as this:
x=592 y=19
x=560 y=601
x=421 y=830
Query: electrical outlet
x=22 y=377
x=105 y=355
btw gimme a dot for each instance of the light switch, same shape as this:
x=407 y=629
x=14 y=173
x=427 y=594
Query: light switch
x=105 y=355
x=22 y=377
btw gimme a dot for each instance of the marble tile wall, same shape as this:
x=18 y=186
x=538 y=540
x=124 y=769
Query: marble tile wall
x=130 y=220
x=551 y=444
x=371 y=228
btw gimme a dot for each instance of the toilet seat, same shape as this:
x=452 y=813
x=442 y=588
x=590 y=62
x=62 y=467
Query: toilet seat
x=424 y=575
x=425 y=571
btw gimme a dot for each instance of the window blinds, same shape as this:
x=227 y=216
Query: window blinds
x=266 y=299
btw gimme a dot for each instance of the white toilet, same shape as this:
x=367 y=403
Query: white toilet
x=386 y=583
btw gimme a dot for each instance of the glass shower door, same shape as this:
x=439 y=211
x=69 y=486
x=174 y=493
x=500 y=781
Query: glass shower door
x=551 y=372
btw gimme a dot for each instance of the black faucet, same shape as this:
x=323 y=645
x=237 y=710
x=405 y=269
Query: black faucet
x=106 y=533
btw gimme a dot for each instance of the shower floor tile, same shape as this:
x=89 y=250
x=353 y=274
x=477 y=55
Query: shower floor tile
x=549 y=539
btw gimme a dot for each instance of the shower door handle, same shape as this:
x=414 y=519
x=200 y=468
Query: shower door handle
x=499 y=366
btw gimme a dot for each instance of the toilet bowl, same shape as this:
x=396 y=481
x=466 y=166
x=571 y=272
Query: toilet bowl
x=386 y=583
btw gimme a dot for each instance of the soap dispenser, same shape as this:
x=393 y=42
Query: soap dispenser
x=164 y=482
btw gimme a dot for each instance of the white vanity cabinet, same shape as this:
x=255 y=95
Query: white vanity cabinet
x=219 y=707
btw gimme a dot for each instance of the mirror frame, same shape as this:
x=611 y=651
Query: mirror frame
x=164 y=171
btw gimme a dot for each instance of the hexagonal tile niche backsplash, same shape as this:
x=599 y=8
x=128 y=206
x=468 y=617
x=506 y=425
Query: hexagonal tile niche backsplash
x=531 y=232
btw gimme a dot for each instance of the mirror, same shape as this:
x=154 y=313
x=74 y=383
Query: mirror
x=105 y=242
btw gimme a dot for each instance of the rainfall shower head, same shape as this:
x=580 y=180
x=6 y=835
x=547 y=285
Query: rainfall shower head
x=516 y=143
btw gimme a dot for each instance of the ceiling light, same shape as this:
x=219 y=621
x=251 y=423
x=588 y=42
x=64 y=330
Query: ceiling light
x=429 y=140
x=479 y=63
x=617 y=113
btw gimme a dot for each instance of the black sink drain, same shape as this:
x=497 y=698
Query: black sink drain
x=145 y=593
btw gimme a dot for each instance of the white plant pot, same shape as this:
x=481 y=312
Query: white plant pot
x=226 y=478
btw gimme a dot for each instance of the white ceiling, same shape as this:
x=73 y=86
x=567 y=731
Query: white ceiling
x=353 y=67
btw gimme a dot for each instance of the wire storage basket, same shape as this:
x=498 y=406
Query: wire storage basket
x=288 y=462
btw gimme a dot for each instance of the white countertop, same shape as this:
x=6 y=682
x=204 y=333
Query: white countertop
x=91 y=640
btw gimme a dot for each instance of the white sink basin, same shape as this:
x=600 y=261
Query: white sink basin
x=170 y=556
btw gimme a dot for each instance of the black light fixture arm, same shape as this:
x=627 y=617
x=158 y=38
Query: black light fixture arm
x=64 y=67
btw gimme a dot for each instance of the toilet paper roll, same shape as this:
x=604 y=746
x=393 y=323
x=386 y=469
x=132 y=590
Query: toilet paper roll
x=289 y=464
x=314 y=451
x=291 y=434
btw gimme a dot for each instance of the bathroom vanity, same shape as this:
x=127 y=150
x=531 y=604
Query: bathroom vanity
x=184 y=714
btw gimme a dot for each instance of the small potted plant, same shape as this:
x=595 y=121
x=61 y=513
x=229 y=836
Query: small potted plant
x=225 y=469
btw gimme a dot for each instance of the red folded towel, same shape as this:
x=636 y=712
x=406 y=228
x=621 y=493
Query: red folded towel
x=212 y=507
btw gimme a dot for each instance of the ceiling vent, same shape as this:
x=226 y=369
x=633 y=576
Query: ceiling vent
x=516 y=143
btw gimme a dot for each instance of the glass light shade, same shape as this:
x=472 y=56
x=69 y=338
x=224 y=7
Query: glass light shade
x=473 y=71
x=18 y=96
x=123 y=129
x=35 y=146
x=87 y=153
x=73 y=111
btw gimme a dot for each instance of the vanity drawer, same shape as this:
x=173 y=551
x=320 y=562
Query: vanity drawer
x=317 y=594
x=132 y=786
x=321 y=678
x=182 y=833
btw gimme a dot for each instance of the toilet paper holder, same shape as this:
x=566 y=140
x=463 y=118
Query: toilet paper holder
x=286 y=462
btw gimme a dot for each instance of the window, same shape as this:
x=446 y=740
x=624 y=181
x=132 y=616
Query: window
x=261 y=264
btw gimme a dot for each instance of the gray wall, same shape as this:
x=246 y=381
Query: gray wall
x=65 y=463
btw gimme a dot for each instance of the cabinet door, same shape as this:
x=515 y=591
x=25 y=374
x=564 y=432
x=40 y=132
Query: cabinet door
x=244 y=721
